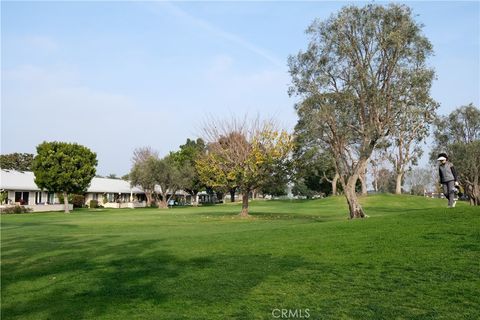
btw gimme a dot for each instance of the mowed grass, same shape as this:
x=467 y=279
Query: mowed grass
x=411 y=259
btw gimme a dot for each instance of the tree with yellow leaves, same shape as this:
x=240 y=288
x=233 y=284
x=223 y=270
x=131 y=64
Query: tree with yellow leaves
x=244 y=153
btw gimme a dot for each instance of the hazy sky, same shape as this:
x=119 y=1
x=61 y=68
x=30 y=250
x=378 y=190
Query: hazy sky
x=119 y=75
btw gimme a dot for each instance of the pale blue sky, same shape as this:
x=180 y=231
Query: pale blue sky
x=118 y=75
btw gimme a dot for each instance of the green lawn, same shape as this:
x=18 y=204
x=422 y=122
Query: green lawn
x=411 y=259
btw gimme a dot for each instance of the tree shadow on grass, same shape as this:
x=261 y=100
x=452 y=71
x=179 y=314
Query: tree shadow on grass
x=10 y=225
x=265 y=214
x=95 y=279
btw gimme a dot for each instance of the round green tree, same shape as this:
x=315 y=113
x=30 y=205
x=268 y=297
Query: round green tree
x=64 y=168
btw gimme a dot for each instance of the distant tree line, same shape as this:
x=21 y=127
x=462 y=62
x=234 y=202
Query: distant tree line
x=16 y=161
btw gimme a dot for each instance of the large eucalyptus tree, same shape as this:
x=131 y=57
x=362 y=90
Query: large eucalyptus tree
x=363 y=68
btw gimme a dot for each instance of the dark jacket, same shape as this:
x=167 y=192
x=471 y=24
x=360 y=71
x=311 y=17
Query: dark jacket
x=447 y=172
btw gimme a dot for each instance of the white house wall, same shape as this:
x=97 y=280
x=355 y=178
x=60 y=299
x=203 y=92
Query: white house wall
x=125 y=197
x=31 y=197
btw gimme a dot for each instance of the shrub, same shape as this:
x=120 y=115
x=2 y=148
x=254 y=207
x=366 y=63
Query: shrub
x=3 y=196
x=15 y=209
x=93 y=204
x=78 y=200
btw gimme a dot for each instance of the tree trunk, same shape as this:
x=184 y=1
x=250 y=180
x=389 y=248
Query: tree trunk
x=356 y=210
x=163 y=204
x=334 y=183
x=232 y=195
x=65 y=202
x=363 y=181
x=398 y=187
x=165 y=200
x=474 y=194
x=195 y=199
x=244 y=212
x=148 y=194
x=476 y=191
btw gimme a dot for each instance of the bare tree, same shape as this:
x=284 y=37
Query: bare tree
x=142 y=154
x=140 y=173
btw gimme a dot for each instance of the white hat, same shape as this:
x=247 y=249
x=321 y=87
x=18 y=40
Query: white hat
x=441 y=159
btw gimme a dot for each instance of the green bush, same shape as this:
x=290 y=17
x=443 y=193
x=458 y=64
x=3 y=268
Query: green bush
x=93 y=204
x=15 y=209
x=78 y=200
x=3 y=196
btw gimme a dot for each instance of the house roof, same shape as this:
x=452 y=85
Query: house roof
x=158 y=189
x=101 y=185
x=17 y=180
x=25 y=181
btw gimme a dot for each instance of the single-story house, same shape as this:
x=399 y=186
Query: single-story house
x=21 y=189
x=114 y=193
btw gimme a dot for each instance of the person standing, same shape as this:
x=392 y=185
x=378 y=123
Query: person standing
x=448 y=178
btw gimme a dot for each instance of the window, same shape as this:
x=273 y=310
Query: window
x=38 y=197
x=21 y=197
x=95 y=196
x=51 y=198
